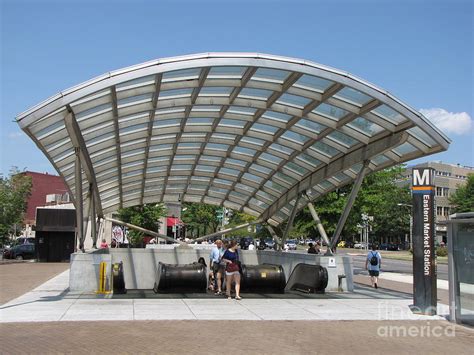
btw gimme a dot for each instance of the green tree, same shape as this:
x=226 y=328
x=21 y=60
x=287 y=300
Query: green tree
x=200 y=218
x=379 y=196
x=463 y=199
x=146 y=216
x=14 y=193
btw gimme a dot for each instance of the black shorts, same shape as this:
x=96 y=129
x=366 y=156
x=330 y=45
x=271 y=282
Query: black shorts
x=216 y=268
x=373 y=273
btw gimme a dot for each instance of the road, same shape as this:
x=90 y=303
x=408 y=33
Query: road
x=388 y=265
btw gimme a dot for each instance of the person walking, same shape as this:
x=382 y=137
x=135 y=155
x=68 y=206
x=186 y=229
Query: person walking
x=232 y=269
x=312 y=249
x=103 y=244
x=373 y=263
x=217 y=265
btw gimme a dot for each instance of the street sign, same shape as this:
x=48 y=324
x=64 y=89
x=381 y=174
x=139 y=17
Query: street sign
x=424 y=267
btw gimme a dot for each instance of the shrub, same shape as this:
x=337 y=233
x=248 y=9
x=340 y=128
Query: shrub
x=441 y=251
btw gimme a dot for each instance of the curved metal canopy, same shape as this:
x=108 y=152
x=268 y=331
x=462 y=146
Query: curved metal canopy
x=244 y=130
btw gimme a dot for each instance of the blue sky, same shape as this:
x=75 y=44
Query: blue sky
x=420 y=51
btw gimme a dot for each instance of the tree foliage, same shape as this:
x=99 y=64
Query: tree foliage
x=379 y=196
x=14 y=193
x=463 y=199
x=146 y=216
x=200 y=219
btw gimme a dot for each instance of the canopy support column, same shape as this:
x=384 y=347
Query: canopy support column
x=79 y=201
x=289 y=225
x=348 y=206
x=274 y=235
x=319 y=225
x=93 y=219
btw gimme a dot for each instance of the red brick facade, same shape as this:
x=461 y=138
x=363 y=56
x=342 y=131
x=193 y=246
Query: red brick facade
x=43 y=184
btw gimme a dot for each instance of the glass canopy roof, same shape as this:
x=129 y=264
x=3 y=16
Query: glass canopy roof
x=242 y=130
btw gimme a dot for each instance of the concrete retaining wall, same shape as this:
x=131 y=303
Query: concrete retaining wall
x=140 y=265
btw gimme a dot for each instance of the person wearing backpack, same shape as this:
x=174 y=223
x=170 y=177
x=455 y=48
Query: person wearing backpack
x=372 y=264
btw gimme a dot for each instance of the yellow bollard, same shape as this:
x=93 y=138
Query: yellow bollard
x=102 y=279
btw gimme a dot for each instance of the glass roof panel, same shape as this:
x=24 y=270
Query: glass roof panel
x=296 y=168
x=325 y=149
x=257 y=94
x=330 y=111
x=175 y=93
x=277 y=116
x=215 y=91
x=275 y=75
x=380 y=159
x=252 y=140
x=197 y=121
x=263 y=194
x=308 y=159
x=343 y=139
x=183 y=74
x=244 y=151
x=313 y=83
x=365 y=126
x=310 y=125
x=281 y=149
x=405 y=148
x=389 y=114
x=230 y=72
x=236 y=162
x=422 y=136
x=353 y=96
x=252 y=177
x=275 y=186
x=246 y=188
x=242 y=110
x=259 y=127
x=295 y=137
x=260 y=169
x=228 y=171
x=215 y=146
x=271 y=158
x=294 y=100
x=284 y=177
x=225 y=122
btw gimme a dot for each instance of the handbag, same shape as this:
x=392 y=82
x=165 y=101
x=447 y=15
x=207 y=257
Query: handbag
x=232 y=267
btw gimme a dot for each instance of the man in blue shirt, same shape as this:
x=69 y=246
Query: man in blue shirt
x=217 y=267
x=372 y=264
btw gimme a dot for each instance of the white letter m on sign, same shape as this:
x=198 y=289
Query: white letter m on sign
x=422 y=180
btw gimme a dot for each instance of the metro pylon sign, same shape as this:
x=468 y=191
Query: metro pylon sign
x=424 y=259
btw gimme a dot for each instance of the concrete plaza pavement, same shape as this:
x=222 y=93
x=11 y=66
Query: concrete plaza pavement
x=50 y=319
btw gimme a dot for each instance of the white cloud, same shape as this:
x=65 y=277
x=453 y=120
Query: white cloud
x=449 y=122
x=14 y=135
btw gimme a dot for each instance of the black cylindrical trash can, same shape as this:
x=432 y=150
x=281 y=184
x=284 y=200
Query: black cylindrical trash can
x=179 y=278
x=265 y=277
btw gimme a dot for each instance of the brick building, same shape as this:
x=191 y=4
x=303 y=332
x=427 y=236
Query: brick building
x=43 y=186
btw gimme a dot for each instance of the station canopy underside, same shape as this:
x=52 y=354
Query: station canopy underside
x=242 y=130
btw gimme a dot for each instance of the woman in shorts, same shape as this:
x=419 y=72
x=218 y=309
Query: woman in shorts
x=232 y=269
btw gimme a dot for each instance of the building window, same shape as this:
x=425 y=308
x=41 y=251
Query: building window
x=439 y=191
x=439 y=211
x=445 y=191
x=446 y=211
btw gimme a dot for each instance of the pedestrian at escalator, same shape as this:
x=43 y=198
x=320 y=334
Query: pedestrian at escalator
x=232 y=270
x=312 y=249
x=217 y=266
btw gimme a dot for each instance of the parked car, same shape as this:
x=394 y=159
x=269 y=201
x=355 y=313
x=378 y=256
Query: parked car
x=23 y=251
x=341 y=244
x=270 y=243
x=393 y=247
x=360 y=246
x=291 y=244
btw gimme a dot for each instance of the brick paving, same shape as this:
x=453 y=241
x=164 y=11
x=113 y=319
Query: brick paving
x=199 y=337
x=236 y=337
x=20 y=277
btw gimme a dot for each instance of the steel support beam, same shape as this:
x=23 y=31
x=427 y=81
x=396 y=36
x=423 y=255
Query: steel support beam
x=79 y=201
x=319 y=225
x=274 y=234
x=85 y=161
x=143 y=230
x=224 y=231
x=93 y=219
x=289 y=224
x=348 y=206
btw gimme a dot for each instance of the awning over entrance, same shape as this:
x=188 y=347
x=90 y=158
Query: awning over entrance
x=242 y=130
x=173 y=221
